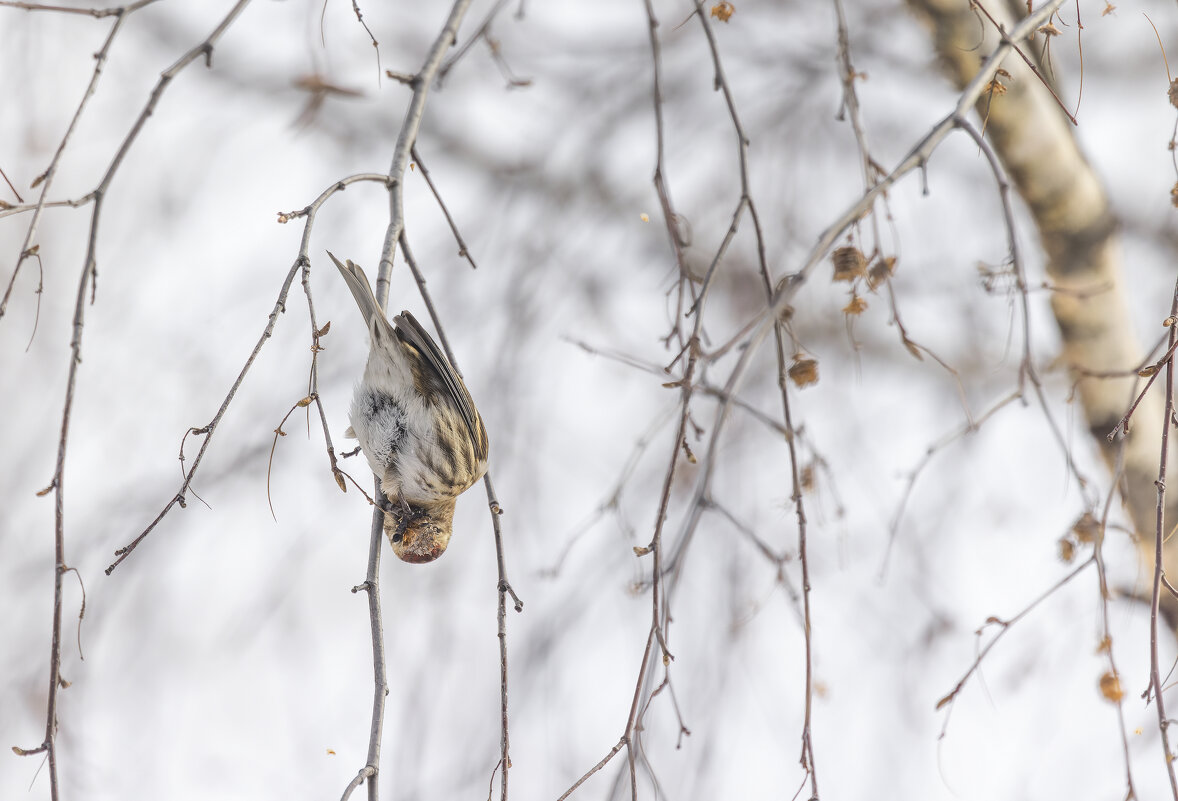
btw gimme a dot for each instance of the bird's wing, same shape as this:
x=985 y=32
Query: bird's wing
x=413 y=334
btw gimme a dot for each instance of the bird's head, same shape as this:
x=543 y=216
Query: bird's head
x=419 y=533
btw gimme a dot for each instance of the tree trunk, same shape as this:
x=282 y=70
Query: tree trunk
x=1079 y=234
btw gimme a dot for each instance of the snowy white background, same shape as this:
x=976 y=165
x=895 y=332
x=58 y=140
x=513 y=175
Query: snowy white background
x=227 y=658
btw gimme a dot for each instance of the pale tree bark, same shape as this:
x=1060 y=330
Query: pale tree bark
x=1078 y=231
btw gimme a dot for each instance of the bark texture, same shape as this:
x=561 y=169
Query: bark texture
x=1078 y=232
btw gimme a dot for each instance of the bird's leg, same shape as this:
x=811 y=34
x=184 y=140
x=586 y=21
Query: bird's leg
x=399 y=510
x=384 y=504
x=408 y=517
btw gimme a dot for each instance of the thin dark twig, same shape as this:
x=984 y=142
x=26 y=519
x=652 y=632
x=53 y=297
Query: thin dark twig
x=85 y=281
x=405 y=140
x=601 y=764
x=701 y=386
x=751 y=335
x=380 y=691
x=1004 y=626
x=612 y=501
x=317 y=334
x=670 y=216
x=15 y=193
x=503 y=589
x=463 y=250
x=97 y=13
x=917 y=348
x=1155 y=680
x=746 y=201
x=690 y=347
x=850 y=105
x=8 y=209
x=1027 y=367
x=503 y=585
x=1106 y=642
x=932 y=450
x=309 y=213
x=375 y=44
x=1030 y=64
x=420 y=84
x=479 y=32
x=1151 y=373
x=278 y=432
x=45 y=180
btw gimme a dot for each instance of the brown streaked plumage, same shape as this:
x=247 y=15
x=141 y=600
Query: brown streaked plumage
x=417 y=424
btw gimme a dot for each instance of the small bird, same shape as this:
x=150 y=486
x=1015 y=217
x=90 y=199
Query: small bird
x=417 y=425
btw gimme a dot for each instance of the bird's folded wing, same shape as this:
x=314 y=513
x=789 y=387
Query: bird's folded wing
x=412 y=333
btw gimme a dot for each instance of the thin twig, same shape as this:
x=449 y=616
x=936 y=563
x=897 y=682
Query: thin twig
x=690 y=347
x=932 y=450
x=97 y=13
x=308 y=213
x=1106 y=642
x=405 y=140
x=86 y=281
x=1155 y=680
x=504 y=586
x=1004 y=626
x=420 y=84
x=1027 y=366
x=380 y=690
x=746 y=201
x=1013 y=39
x=479 y=32
x=45 y=180
x=8 y=209
x=1153 y=371
x=753 y=333
x=463 y=250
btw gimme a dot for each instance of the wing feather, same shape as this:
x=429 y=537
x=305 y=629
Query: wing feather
x=413 y=334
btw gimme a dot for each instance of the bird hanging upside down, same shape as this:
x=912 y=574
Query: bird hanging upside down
x=417 y=426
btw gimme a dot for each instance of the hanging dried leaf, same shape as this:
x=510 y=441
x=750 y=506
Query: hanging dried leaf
x=882 y=270
x=849 y=263
x=1110 y=687
x=856 y=307
x=806 y=478
x=723 y=10
x=804 y=370
x=1087 y=528
x=996 y=87
x=1067 y=550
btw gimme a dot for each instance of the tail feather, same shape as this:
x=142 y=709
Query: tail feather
x=357 y=282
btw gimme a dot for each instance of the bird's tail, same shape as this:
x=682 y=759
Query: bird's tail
x=357 y=281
